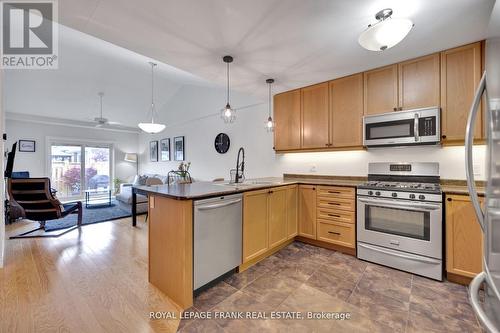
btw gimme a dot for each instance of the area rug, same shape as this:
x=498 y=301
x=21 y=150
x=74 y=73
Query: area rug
x=90 y=215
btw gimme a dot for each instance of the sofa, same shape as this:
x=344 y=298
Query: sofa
x=124 y=198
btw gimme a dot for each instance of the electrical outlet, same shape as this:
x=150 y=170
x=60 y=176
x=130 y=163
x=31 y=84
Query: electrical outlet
x=313 y=168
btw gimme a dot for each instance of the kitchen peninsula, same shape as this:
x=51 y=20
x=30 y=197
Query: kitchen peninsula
x=272 y=209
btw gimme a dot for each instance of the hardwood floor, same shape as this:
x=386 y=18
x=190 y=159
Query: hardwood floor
x=90 y=280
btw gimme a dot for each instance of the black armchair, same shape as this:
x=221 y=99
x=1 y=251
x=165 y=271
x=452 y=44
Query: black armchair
x=34 y=199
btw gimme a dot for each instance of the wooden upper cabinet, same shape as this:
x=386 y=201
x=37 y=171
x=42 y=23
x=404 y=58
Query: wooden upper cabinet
x=464 y=238
x=255 y=224
x=346 y=111
x=460 y=76
x=277 y=216
x=307 y=211
x=287 y=131
x=419 y=84
x=315 y=116
x=381 y=90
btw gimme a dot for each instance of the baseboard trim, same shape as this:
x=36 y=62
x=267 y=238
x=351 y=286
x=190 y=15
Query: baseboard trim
x=243 y=267
x=339 y=248
x=460 y=279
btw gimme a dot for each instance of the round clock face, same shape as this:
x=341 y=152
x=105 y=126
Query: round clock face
x=222 y=143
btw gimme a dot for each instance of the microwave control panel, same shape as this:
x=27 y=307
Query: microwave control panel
x=427 y=126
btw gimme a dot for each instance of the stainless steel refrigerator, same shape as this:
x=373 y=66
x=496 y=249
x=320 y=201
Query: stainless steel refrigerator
x=487 y=310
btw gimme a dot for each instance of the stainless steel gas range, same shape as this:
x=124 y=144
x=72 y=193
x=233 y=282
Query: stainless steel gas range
x=399 y=222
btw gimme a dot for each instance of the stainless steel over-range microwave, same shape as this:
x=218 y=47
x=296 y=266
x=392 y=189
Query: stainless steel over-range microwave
x=402 y=128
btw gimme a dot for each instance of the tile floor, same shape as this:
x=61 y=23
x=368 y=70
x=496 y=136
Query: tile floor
x=306 y=278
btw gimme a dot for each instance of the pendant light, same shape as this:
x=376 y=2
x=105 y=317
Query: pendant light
x=386 y=33
x=228 y=114
x=270 y=122
x=152 y=127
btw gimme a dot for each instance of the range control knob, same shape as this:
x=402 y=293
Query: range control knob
x=377 y=193
x=412 y=196
x=394 y=194
x=421 y=197
x=370 y=192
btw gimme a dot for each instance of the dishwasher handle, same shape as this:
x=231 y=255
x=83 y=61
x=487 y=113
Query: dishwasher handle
x=219 y=205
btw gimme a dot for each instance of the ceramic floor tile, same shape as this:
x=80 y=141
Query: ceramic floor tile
x=216 y=294
x=444 y=286
x=270 y=289
x=387 y=310
x=386 y=282
x=345 y=266
x=331 y=284
x=422 y=319
x=244 y=304
x=241 y=280
x=443 y=302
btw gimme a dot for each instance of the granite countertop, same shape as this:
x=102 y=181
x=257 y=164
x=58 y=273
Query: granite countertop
x=201 y=190
x=460 y=187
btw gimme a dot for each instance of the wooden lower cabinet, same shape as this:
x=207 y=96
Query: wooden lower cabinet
x=464 y=238
x=307 y=211
x=277 y=211
x=336 y=215
x=269 y=219
x=255 y=224
x=337 y=233
x=292 y=196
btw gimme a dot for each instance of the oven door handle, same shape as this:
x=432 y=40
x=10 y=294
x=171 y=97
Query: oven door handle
x=401 y=254
x=400 y=204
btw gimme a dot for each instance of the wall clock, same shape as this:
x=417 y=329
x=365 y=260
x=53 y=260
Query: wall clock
x=222 y=143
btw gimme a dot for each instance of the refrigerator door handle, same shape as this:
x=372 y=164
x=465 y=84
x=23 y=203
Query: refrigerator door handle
x=476 y=305
x=469 y=141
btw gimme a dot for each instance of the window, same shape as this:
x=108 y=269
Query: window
x=75 y=168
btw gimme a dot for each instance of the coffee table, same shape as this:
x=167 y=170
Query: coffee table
x=98 y=197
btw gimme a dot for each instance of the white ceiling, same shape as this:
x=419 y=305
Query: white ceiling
x=88 y=65
x=298 y=42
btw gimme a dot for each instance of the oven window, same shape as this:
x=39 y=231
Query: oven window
x=396 y=221
x=391 y=129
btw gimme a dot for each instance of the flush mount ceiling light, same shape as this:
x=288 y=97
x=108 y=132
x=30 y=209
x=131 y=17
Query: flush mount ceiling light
x=152 y=127
x=228 y=114
x=270 y=122
x=386 y=33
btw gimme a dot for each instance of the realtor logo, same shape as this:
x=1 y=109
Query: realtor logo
x=29 y=34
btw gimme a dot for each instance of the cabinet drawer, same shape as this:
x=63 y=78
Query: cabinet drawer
x=336 y=203
x=336 y=192
x=336 y=233
x=336 y=215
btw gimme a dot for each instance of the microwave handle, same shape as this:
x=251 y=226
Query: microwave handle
x=415 y=128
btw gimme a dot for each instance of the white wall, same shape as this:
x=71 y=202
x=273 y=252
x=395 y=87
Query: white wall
x=36 y=163
x=249 y=132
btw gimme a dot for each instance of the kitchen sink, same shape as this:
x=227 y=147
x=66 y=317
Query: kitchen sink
x=245 y=184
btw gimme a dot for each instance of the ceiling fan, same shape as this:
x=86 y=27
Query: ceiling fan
x=101 y=121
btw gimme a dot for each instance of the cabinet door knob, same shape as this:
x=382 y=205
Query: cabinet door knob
x=443 y=136
x=400 y=108
x=449 y=199
x=395 y=109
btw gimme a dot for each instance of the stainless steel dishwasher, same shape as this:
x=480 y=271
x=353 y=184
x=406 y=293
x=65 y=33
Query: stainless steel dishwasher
x=217 y=237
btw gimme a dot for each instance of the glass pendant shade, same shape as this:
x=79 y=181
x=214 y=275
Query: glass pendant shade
x=228 y=114
x=386 y=33
x=270 y=124
x=151 y=128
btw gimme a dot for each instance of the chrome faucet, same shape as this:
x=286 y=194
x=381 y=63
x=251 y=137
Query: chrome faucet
x=240 y=166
